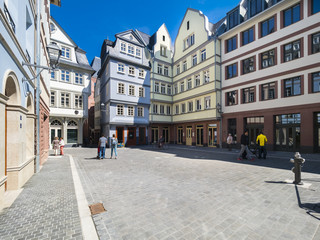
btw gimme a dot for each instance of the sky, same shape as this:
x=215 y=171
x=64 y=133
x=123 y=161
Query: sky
x=88 y=23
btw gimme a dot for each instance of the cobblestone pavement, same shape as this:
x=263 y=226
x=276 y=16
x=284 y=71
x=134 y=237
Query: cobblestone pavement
x=200 y=193
x=46 y=208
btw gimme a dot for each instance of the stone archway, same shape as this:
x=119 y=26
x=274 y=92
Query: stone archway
x=30 y=131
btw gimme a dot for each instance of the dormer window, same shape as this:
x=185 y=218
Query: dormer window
x=123 y=47
x=233 y=18
x=131 y=49
x=65 y=52
x=255 y=7
x=138 y=52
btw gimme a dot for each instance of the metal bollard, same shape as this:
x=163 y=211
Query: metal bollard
x=298 y=161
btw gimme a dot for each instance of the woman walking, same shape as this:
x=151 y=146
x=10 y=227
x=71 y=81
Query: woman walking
x=61 y=143
x=114 y=143
x=55 y=145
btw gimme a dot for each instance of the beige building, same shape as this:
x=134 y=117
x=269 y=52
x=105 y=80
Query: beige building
x=271 y=73
x=196 y=82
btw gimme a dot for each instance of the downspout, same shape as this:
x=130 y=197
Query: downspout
x=220 y=100
x=37 y=169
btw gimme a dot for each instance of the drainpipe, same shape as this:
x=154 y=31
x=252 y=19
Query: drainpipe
x=220 y=100
x=37 y=169
x=215 y=84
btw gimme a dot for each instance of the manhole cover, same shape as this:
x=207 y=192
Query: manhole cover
x=96 y=208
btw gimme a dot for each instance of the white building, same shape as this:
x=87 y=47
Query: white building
x=69 y=89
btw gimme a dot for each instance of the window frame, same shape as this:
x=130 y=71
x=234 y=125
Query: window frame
x=232 y=98
x=131 y=71
x=120 y=110
x=292 y=51
x=313 y=82
x=131 y=90
x=78 y=101
x=291 y=10
x=292 y=87
x=140 y=111
x=130 y=111
x=269 y=31
x=268 y=89
x=248 y=95
x=274 y=59
x=121 y=86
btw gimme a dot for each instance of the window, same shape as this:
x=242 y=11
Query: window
x=232 y=44
x=248 y=65
x=8 y=16
x=65 y=100
x=141 y=92
x=163 y=38
x=121 y=88
x=197 y=80
x=53 y=75
x=65 y=76
x=78 y=78
x=231 y=98
x=178 y=69
x=120 y=67
x=207 y=102
x=268 y=59
x=255 y=7
x=166 y=70
x=198 y=104
x=130 y=111
x=175 y=88
x=182 y=87
x=194 y=60
x=233 y=18
x=206 y=76
x=162 y=109
x=131 y=90
x=138 y=52
x=189 y=41
x=292 y=51
x=131 y=49
x=190 y=106
x=140 y=111
x=163 y=88
x=78 y=101
x=168 y=110
x=141 y=73
x=163 y=51
x=268 y=91
x=288 y=119
x=183 y=107
x=248 y=95
x=315 y=82
x=156 y=87
x=203 y=55
x=123 y=47
x=65 y=52
x=231 y=71
x=292 y=87
x=155 y=108
x=159 y=69
x=184 y=66
x=131 y=71
x=267 y=27
x=177 y=109
x=52 y=98
x=247 y=36
x=188 y=25
x=316 y=43
x=315 y=6
x=189 y=86
x=120 y=110
x=291 y=15
x=169 y=91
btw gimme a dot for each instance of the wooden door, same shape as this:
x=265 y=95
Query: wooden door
x=189 y=136
x=131 y=140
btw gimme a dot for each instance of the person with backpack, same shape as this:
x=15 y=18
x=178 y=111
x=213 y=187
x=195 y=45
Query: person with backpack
x=114 y=143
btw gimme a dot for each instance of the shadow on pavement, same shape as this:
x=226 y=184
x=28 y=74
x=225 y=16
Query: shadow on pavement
x=313 y=209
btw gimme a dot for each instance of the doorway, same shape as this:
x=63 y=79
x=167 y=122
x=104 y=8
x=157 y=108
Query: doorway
x=119 y=134
x=189 y=136
x=317 y=132
x=55 y=132
x=154 y=135
x=212 y=135
x=180 y=135
x=142 y=135
x=287 y=132
x=131 y=141
x=199 y=141
x=165 y=134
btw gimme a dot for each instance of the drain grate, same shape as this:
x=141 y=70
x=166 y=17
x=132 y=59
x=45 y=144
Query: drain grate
x=96 y=208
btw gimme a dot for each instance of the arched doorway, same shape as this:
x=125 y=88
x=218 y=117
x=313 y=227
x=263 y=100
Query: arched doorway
x=30 y=128
x=12 y=125
x=55 y=129
x=72 y=132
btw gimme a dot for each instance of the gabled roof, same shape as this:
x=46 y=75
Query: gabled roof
x=139 y=39
x=63 y=31
x=145 y=37
x=96 y=65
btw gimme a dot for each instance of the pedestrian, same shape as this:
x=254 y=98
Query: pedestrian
x=161 y=141
x=102 y=143
x=61 y=143
x=114 y=144
x=229 y=141
x=244 y=146
x=55 y=145
x=261 y=141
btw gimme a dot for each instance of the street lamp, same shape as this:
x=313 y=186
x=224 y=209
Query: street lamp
x=54 y=53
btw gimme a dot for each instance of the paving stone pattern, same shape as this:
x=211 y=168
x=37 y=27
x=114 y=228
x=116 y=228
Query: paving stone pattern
x=47 y=207
x=190 y=193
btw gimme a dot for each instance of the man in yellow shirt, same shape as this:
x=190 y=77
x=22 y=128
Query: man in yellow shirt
x=261 y=141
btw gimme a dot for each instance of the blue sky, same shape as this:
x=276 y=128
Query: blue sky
x=88 y=23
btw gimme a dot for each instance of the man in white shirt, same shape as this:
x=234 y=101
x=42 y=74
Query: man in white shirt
x=102 y=143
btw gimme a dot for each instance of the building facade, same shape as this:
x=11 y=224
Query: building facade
x=70 y=87
x=271 y=73
x=125 y=88
x=160 y=116
x=196 y=82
